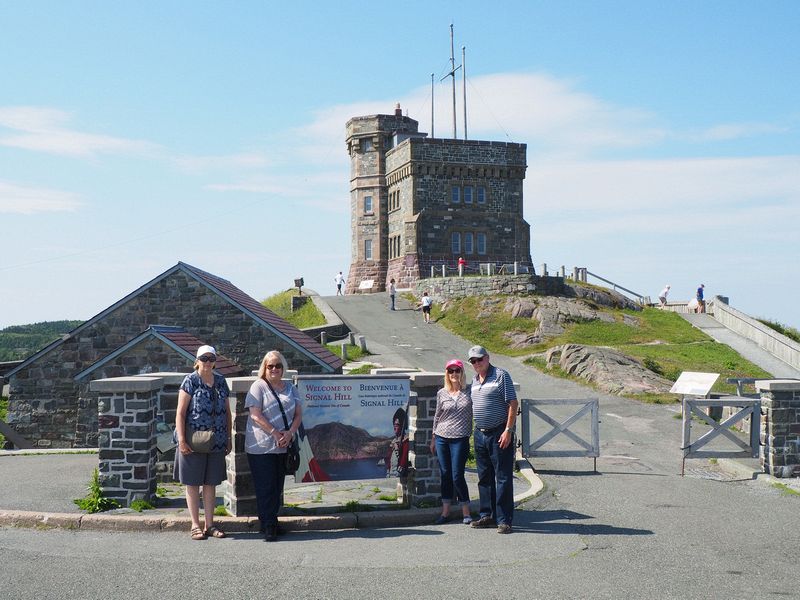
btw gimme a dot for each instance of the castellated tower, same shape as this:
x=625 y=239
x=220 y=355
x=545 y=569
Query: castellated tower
x=418 y=202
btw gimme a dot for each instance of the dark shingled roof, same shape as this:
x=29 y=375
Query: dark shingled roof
x=255 y=308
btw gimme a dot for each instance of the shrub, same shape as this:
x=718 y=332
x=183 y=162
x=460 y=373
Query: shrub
x=95 y=501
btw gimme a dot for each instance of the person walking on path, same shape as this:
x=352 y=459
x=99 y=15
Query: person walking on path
x=392 y=292
x=203 y=406
x=662 y=297
x=426 y=304
x=452 y=422
x=494 y=406
x=701 y=303
x=339 y=279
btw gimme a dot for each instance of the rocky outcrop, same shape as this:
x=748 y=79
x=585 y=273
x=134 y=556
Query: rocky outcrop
x=611 y=371
x=600 y=296
x=554 y=315
x=337 y=441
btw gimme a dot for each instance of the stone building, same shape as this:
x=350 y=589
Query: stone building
x=48 y=404
x=417 y=202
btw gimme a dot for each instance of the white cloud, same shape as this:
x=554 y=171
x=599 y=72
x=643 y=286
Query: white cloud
x=43 y=130
x=29 y=200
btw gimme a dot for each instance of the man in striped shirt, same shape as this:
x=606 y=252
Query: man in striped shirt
x=494 y=406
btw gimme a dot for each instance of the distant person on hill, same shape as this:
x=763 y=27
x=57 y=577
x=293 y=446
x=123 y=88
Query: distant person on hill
x=462 y=265
x=426 y=304
x=701 y=303
x=392 y=292
x=662 y=297
x=452 y=424
x=339 y=279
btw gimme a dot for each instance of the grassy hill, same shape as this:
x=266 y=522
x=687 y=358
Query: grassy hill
x=662 y=341
x=18 y=342
x=307 y=316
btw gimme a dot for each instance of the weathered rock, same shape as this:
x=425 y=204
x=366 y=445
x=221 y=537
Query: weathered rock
x=601 y=297
x=612 y=371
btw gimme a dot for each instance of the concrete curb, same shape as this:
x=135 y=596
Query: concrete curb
x=155 y=524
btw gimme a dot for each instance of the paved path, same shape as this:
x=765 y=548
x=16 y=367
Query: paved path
x=747 y=348
x=635 y=529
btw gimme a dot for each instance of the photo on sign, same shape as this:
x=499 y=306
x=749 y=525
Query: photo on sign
x=353 y=428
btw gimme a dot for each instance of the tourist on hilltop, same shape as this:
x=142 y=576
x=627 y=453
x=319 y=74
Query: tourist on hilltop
x=275 y=416
x=392 y=292
x=494 y=406
x=701 y=303
x=202 y=407
x=462 y=265
x=662 y=296
x=426 y=304
x=339 y=280
x=452 y=424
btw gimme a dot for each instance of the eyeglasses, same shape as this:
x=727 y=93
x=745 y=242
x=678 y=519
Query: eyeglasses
x=274 y=367
x=472 y=361
x=456 y=370
x=206 y=359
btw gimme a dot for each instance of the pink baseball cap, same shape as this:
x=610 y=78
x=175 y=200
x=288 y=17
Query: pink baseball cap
x=454 y=363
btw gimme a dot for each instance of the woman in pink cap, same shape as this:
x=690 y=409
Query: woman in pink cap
x=452 y=424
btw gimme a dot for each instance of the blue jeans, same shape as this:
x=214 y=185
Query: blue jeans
x=392 y=297
x=452 y=455
x=269 y=473
x=495 y=476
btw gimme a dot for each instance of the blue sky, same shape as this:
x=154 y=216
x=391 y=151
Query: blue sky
x=662 y=139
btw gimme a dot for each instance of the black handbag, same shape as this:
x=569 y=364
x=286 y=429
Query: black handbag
x=293 y=450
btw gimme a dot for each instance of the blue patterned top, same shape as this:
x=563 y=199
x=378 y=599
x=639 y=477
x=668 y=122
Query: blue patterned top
x=198 y=415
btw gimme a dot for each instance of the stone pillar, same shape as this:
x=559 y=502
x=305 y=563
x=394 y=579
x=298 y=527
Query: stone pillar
x=780 y=427
x=126 y=435
x=240 y=497
x=423 y=484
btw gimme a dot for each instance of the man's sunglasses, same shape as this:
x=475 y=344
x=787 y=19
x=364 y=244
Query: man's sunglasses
x=472 y=361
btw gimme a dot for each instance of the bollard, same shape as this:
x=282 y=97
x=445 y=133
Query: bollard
x=344 y=352
x=323 y=337
x=563 y=272
x=352 y=338
x=433 y=272
x=444 y=270
x=544 y=269
x=362 y=343
x=516 y=268
x=460 y=270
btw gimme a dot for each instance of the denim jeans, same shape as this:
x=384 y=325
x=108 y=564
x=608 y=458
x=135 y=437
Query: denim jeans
x=452 y=455
x=269 y=473
x=392 y=297
x=495 y=476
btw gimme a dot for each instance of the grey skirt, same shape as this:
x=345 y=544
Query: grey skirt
x=199 y=469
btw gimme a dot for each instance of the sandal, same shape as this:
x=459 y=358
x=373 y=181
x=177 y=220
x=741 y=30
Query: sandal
x=197 y=534
x=215 y=531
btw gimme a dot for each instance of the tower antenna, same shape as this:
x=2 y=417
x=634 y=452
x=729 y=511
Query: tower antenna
x=464 y=84
x=433 y=103
x=452 y=73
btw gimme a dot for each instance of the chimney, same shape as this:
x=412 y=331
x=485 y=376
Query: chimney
x=398 y=112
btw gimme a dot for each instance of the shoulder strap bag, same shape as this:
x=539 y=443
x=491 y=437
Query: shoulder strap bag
x=293 y=450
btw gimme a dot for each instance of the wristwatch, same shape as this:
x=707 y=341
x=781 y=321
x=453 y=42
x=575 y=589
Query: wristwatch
x=509 y=430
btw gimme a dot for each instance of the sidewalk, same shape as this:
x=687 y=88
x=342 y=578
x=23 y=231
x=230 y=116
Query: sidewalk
x=39 y=486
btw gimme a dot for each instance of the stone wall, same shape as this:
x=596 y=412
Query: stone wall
x=444 y=288
x=44 y=405
x=780 y=427
x=423 y=485
x=127 y=437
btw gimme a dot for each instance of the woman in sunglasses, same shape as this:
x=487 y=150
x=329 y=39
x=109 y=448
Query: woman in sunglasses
x=202 y=406
x=267 y=437
x=452 y=424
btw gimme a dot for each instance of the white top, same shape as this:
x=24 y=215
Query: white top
x=339 y=279
x=427 y=301
x=256 y=440
x=392 y=289
x=664 y=293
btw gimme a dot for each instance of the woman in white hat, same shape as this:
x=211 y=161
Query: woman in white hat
x=203 y=407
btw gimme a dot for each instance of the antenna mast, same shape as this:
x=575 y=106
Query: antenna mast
x=452 y=73
x=432 y=105
x=464 y=82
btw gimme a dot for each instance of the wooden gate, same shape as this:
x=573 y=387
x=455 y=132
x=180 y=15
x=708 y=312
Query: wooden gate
x=694 y=408
x=533 y=412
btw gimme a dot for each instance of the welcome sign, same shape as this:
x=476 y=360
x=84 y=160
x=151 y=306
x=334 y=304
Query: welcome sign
x=354 y=427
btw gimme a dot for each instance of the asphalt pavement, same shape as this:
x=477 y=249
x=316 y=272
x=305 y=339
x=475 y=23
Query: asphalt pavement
x=635 y=528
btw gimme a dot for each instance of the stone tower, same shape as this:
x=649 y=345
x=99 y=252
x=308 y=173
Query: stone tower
x=419 y=202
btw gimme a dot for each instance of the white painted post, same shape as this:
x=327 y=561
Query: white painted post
x=516 y=268
x=444 y=270
x=432 y=272
x=323 y=337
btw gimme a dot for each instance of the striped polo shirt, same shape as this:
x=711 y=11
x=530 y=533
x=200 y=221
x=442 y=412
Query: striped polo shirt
x=490 y=399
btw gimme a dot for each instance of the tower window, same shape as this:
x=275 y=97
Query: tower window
x=481 y=195
x=367 y=204
x=456 y=242
x=455 y=195
x=468 y=242
x=367 y=249
x=481 y=238
x=467 y=194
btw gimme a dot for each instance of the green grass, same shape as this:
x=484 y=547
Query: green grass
x=3 y=415
x=355 y=506
x=463 y=318
x=785 y=489
x=140 y=505
x=388 y=497
x=94 y=501
x=220 y=511
x=362 y=370
x=307 y=316
x=789 y=332
x=18 y=342
x=666 y=343
x=353 y=352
